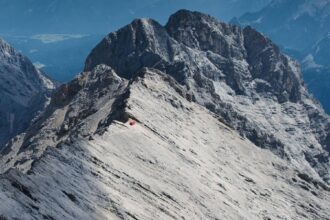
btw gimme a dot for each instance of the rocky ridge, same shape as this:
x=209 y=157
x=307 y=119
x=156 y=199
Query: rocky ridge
x=179 y=161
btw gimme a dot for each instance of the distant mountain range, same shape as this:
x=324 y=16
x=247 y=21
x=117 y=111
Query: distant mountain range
x=301 y=28
x=61 y=56
x=295 y=24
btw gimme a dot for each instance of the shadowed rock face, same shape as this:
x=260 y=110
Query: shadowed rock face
x=133 y=47
x=267 y=63
x=204 y=113
x=23 y=92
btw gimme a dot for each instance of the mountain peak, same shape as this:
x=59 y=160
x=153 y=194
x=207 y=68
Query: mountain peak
x=130 y=48
x=184 y=15
x=198 y=30
x=217 y=63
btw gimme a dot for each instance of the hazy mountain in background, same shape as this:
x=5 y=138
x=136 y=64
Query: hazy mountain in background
x=60 y=55
x=316 y=69
x=24 y=91
x=196 y=119
x=294 y=24
x=302 y=28
x=58 y=34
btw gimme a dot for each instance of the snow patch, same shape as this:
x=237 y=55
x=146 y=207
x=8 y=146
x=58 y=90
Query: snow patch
x=39 y=65
x=309 y=62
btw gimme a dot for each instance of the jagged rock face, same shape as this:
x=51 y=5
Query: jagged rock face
x=160 y=127
x=237 y=73
x=23 y=92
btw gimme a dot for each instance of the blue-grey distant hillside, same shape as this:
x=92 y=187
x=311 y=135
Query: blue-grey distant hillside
x=302 y=28
x=296 y=24
x=60 y=56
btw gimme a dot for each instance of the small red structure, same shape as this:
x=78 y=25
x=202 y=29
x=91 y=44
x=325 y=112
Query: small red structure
x=132 y=122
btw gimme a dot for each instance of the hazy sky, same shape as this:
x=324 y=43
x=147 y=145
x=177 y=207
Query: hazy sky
x=102 y=16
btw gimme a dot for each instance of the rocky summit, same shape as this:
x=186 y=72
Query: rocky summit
x=196 y=119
